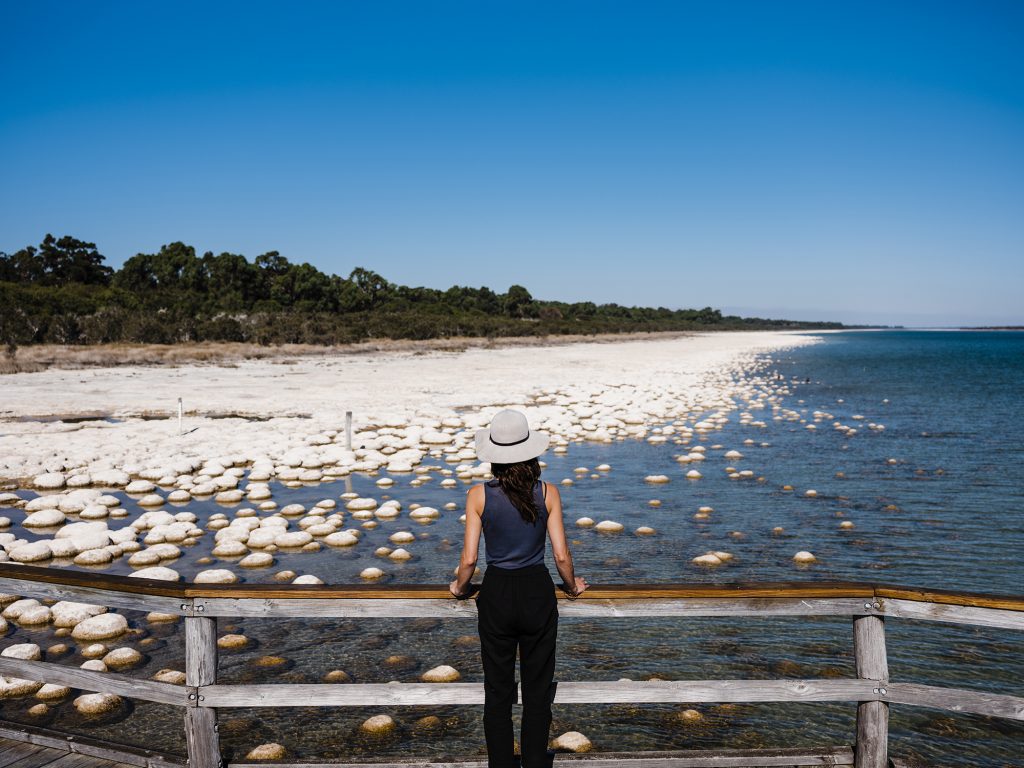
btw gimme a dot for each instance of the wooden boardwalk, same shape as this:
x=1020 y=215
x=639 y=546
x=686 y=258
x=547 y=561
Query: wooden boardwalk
x=19 y=754
x=30 y=747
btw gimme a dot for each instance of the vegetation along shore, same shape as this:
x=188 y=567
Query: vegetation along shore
x=62 y=292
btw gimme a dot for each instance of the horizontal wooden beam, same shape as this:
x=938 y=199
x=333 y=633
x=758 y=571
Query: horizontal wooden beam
x=956 y=700
x=68 y=577
x=132 y=601
x=689 y=758
x=466 y=609
x=19 y=578
x=603 y=592
x=953 y=614
x=948 y=597
x=651 y=692
x=89 y=680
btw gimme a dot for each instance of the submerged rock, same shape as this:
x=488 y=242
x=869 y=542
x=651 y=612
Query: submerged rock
x=122 y=658
x=172 y=676
x=572 y=741
x=441 y=674
x=50 y=692
x=272 y=751
x=97 y=703
x=232 y=642
x=378 y=725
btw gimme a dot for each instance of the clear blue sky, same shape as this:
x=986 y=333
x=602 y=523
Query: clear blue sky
x=860 y=161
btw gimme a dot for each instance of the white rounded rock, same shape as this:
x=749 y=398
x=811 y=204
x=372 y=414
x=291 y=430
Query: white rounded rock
x=32 y=552
x=23 y=651
x=441 y=674
x=378 y=725
x=94 y=557
x=361 y=504
x=709 y=559
x=293 y=539
x=609 y=526
x=341 y=539
x=271 y=751
x=256 y=560
x=804 y=557
x=215 y=576
x=572 y=741
x=51 y=692
x=122 y=658
x=45 y=518
x=230 y=549
x=49 y=481
x=157 y=572
x=371 y=573
x=97 y=703
x=101 y=627
x=68 y=614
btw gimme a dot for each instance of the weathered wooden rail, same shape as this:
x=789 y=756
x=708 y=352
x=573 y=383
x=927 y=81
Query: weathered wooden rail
x=868 y=605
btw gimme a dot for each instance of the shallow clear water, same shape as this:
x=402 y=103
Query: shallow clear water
x=935 y=499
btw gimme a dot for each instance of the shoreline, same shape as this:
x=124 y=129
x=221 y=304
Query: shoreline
x=41 y=357
x=270 y=410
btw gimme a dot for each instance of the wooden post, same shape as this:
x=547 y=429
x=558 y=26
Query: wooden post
x=872 y=746
x=348 y=430
x=200 y=670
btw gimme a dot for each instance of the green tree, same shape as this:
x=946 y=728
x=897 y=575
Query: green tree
x=518 y=302
x=72 y=261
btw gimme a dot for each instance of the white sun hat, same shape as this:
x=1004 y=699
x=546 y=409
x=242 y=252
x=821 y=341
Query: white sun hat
x=509 y=440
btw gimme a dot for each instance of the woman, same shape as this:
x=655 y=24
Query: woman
x=516 y=606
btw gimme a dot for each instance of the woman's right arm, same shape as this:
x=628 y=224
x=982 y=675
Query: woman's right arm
x=571 y=583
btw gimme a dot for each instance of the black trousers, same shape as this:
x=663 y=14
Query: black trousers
x=517 y=609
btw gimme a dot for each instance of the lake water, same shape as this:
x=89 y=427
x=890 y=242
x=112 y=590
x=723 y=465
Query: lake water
x=935 y=497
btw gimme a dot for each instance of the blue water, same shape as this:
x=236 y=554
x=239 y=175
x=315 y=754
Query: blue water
x=935 y=498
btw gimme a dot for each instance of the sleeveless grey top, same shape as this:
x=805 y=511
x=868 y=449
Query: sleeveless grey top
x=510 y=541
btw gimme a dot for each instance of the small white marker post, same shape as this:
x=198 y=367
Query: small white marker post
x=180 y=427
x=348 y=430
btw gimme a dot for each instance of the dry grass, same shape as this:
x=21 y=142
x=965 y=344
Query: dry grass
x=228 y=354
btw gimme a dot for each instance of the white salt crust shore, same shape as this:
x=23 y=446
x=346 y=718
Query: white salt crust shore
x=432 y=400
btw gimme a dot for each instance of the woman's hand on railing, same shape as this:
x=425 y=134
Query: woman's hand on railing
x=578 y=588
x=458 y=594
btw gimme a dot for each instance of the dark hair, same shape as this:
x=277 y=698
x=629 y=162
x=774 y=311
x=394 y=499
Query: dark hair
x=517 y=481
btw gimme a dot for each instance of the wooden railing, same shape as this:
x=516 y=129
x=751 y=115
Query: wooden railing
x=867 y=604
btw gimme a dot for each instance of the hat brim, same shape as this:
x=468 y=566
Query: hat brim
x=531 y=448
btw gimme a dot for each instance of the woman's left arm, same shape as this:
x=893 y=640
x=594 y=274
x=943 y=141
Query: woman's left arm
x=471 y=544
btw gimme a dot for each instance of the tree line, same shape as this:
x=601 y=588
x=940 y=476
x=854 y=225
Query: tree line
x=62 y=292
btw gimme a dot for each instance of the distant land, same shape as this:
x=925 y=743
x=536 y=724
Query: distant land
x=62 y=292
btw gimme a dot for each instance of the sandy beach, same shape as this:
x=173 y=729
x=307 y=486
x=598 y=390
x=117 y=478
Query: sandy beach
x=269 y=410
